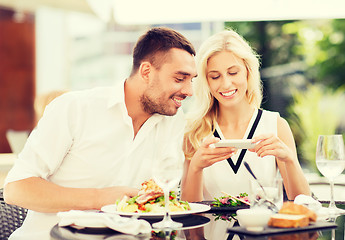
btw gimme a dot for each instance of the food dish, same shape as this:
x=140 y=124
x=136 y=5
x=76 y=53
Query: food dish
x=150 y=198
x=195 y=208
x=292 y=215
x=292 y=208
x=237 y=143
x=288 y=220
x=228 y=200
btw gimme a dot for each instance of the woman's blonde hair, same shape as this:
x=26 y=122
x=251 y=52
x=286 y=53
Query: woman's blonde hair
x=204 y=110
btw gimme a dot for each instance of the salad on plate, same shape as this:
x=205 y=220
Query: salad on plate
x=231 y=201
x=150 y=199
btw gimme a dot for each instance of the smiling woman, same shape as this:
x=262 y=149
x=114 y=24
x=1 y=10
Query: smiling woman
x=226 y=70
x=227 y=106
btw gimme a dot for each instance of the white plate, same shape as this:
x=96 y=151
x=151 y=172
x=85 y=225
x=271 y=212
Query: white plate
x=195 y=208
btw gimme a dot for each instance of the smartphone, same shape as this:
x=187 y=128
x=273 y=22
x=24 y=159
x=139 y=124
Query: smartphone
x=237 y=143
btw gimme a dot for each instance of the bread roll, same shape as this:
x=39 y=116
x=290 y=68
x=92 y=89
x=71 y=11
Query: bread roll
x=288 y=220
x=292 y=208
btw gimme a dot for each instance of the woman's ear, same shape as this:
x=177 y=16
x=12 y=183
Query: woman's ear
x=145 y=70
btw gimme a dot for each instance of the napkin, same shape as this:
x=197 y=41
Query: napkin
x=93 y=219
x=309 y=202
x=312 y=204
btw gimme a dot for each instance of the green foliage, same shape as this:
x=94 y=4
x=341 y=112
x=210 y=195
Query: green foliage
x=331 y=70
x=319 y=43
x=269 y=40
x=317 y=111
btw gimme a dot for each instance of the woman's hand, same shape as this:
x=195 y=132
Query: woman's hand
x=269 y=144
x=207 y=154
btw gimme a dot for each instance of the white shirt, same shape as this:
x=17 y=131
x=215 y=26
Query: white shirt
x=85 y=140
x=220 y=177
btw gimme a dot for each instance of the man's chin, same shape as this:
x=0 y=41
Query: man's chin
x=171 y=112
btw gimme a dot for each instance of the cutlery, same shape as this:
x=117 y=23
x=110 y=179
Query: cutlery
x=251 y=172
x=272 y=205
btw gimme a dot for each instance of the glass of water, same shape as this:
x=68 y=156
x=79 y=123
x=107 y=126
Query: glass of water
x=330 y=160
x=167 y=173
x=272 y=190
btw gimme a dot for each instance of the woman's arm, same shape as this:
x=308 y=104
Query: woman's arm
x=205 y=156
x=284 y=149
x=291 y=171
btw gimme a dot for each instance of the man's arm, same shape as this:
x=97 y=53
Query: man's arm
x=43 y=196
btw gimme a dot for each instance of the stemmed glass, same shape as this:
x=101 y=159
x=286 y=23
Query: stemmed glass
x=330 y=160
x=167 y=173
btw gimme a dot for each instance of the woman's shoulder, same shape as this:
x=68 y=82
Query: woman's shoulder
x=281 y=123
x=270 y=113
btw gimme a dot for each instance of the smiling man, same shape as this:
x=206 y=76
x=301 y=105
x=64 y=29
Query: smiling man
x=92 y=147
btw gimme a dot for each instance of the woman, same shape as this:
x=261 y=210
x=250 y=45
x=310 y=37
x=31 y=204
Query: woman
x=228 y=97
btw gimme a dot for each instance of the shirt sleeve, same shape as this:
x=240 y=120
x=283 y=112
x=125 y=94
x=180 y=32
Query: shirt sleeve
x=49 y=142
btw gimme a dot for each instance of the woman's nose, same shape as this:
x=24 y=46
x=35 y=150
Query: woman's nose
x=227 y=81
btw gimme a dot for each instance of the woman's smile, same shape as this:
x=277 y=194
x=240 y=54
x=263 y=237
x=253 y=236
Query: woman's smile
x=228 y=94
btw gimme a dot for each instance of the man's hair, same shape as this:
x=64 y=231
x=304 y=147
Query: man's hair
x=155 y=43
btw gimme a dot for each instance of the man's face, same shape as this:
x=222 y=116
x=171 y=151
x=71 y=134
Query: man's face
x=170 y=84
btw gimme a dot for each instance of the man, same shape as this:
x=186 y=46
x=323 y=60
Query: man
x=92 y=147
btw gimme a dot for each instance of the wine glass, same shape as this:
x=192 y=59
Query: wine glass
x=167 y=173
x=330 y=160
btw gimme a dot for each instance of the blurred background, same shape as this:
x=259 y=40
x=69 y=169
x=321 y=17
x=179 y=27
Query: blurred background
x=51 y=46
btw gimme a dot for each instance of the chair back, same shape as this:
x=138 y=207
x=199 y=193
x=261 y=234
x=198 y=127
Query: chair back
x=11 y=217
x=17 y=140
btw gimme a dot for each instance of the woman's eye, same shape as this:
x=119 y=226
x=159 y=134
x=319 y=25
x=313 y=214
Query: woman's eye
x=214 y=77
x=232 y=73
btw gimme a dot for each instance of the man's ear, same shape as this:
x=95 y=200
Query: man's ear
x=145 y=70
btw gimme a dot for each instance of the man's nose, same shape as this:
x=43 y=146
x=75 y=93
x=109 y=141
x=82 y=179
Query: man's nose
x=187 y=89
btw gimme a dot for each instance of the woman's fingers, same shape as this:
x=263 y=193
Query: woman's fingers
x=209 y=140
x=269 y=144
x=207 y=156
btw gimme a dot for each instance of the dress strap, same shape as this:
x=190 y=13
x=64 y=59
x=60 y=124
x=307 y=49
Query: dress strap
x=243 y=152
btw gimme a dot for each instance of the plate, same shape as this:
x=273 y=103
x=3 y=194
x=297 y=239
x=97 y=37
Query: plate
x=70 y=232
x=195 y=208
x=273 y=231
x=224 y=209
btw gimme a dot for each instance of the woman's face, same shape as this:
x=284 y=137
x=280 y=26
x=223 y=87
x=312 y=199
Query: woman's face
x=227 y=77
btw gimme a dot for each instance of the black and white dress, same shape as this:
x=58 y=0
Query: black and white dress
x=231 y=176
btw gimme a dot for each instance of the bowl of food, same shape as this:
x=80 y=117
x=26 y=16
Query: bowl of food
x=253 y=219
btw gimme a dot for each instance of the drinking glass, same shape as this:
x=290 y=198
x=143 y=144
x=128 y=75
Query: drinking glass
x=330 y=160
x=273 y=192
x=167 y=174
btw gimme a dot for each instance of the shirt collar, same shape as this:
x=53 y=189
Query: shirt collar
x=118 y=94
x=118 y=97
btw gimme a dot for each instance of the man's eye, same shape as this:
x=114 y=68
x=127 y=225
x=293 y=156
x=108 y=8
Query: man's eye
x=180 y=79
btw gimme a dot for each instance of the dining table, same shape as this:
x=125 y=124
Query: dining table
x=217 y=223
